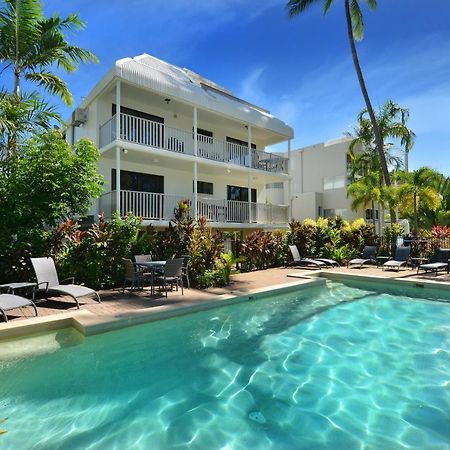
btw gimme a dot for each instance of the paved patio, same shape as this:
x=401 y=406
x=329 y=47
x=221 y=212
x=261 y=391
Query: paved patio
x=114 y=303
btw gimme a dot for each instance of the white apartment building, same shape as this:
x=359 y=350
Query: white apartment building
x=319 y=182
x=166 y=134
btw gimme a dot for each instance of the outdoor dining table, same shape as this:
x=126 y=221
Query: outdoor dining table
x=153 y=266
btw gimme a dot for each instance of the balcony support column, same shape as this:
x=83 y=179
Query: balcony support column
x=118 y=148
x=194 y=120
x=289 y=183
x=249 y=142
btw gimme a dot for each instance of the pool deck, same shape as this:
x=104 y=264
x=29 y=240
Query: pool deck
x=116 y=305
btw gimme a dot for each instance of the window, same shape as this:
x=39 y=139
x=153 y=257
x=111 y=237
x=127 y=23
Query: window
x=335 y=182
x=232 y=140
x=134 y=181
x=331 y=213
x=319 y=211
x=240 y=194
x=136 y=113
x=278 y=185
x=203 y=187
x=369 y=214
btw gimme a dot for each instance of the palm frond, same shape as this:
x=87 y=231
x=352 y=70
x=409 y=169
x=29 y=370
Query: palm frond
x=296 y=7
x=357 y=20
x=52 y=83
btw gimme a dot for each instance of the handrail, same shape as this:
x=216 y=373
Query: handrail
x=154 y=134
x=156 y=206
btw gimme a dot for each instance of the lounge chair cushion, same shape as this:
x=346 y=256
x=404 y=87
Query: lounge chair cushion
x=10 y=301
x=358 y=261
x=394 y=263
x=73 y=290
x=434 y=266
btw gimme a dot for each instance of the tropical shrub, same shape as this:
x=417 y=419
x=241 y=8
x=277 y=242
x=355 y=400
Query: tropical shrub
x=263 y=249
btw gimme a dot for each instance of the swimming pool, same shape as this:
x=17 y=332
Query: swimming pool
x=327 y=367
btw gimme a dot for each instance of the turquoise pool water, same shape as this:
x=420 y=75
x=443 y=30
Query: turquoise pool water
x=333 y=367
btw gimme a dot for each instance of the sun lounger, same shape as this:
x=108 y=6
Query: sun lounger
x=47 y=278
x=11 y=301
x=439 y=261
x=367 y=257
x=328 y=262
x=401 y=259
x=304 y=262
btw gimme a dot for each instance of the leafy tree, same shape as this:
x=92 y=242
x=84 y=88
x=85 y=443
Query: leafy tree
x=440 y=216
x=416 y=188
x=32 y=44
x=51 y=182
x=355 y=32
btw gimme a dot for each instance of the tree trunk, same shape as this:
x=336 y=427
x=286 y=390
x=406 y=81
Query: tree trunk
x=378 y=139
x=362 y=84
x=416 y=226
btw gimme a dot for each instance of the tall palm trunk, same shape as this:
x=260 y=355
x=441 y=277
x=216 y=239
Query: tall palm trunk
x=378 y=139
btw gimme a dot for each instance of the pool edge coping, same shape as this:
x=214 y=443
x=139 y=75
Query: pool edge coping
x=88 y=324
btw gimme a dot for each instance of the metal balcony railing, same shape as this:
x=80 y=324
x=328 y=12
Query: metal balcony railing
x=153 y=206
x=153 y=134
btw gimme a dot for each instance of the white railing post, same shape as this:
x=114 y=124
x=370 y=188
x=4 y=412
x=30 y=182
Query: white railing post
x=249 y=129
x=289 y=202
x=117 y=147
x=195 y=163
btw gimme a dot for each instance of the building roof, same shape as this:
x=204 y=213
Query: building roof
x=186 y=86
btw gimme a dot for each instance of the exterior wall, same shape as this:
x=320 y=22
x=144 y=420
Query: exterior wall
x=319 y=180
x=178 y=172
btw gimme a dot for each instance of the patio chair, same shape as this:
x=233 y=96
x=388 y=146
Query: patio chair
x=304 y=262
x=133 y=276
x=185 y=269
x=367 y=257
x=172 y=275
x=11 y=301
x=402 y=257
x=47 y=277
x=439 y=261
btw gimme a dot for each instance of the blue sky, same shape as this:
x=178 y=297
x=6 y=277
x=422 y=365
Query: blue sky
x=299 y=69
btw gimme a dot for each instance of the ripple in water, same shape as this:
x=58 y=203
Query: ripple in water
x=331 y=367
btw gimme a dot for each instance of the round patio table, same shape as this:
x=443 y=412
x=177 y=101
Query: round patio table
x=153 y=266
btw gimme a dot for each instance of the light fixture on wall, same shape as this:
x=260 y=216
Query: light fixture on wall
x=124 y=151
x=228 y=171
x=167 y=100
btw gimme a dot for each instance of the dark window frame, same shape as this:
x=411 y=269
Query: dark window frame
x=137 y=113
x=236 y=141
x=208 y=186
x=141 y=179
x=241 y=192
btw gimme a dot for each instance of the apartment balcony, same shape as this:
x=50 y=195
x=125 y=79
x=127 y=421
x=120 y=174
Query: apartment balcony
x=157 y=135
x=160 y=207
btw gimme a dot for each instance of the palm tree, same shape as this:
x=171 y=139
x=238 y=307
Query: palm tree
x=418 y=188
x=355 y=32
x=21 y=117
x=31 y=44
x=392 y=121
x=365 y=192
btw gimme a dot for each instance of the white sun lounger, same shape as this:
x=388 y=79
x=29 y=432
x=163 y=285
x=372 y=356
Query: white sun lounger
x=47 y=278
x=11 y=301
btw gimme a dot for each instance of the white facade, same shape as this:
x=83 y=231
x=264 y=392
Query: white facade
x=183 y=137
x=319 y=181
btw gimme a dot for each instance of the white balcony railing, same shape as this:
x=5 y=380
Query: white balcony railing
x=157 y=135
x=152 y=206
